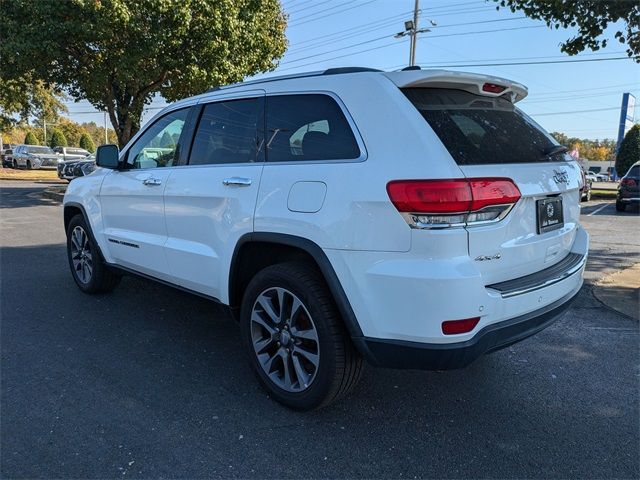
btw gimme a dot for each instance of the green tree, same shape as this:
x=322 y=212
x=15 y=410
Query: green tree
x=96 y=132
x=118 y=53
x=57 y=139
x=629 y=152
x=590 y=17
x=87 y=143
x=23 y=97
x=30 y=139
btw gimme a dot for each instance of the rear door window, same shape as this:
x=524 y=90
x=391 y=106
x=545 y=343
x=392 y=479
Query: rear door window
x=482 y=130
x=229 y=132
x=308 y=127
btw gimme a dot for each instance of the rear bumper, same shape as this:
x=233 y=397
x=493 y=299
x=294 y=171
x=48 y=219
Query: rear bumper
x=438 y=356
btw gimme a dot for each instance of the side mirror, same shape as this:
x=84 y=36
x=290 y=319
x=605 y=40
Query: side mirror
x=107 y=156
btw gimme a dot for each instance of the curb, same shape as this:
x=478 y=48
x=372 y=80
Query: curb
x=54 y=193
x=620 y=291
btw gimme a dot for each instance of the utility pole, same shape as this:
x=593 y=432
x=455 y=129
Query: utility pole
x=412 y=53
x=44 y=123
x=411 y=29
x=106 y=135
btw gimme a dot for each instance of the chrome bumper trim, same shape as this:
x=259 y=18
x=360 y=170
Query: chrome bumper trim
x=572 y=264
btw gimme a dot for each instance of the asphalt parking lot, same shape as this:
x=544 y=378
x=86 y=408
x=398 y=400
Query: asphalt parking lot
x=150 y=382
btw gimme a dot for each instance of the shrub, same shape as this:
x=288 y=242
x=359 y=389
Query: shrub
x=30 y=139
x=87 y=143
x=57 y=139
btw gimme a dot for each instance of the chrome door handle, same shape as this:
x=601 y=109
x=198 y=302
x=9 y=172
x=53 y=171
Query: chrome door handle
x=237 y=181
x=152 y=181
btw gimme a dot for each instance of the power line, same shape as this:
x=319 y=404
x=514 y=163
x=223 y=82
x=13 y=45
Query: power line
x=343 y=35
x=295 y=24
x=526 y=63
x=431 y=9
x=365 y=28
x=312 y=47
x=394 y=43
x=573 y=97
x=604 y=87
x=573 y=112
x=306 y=8
x=322 y=11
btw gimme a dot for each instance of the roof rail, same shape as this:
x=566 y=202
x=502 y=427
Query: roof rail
x=330 y=71
x=342 y=70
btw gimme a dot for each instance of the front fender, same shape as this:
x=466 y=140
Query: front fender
x=84 y=194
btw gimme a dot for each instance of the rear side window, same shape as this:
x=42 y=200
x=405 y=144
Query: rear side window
x=308 y=127
x=229 y=132
x=634 y=171
x=479 y=130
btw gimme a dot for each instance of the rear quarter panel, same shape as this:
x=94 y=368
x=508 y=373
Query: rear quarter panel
x=356 y=213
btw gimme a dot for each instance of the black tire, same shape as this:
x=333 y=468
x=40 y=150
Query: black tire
x=620 y=207
x=15 y=164
x=101 y=279
x=587 y=197
x=29 y=166
x=339 y=364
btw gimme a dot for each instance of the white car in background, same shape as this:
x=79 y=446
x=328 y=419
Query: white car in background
x=415 y=219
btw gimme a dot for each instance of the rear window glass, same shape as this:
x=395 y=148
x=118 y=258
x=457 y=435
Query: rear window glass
x=308 y=127
x=634 y=171
x=482 y=130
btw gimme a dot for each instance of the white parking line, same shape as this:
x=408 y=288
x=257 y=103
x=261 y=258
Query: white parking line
x=598 y=209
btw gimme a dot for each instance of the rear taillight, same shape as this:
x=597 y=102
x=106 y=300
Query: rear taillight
x=457 y=202
x=628 y=182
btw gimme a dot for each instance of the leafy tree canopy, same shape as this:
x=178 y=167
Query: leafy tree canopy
x=57 y=139
x=599 y=150
x=591 y=17
x=629 y=152
x=118 y=53
x=23 y=97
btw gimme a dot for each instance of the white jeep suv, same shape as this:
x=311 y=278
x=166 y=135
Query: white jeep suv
x=415 y=219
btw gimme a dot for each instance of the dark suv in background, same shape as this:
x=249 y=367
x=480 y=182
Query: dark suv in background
x=629 y=188
x=7 y=156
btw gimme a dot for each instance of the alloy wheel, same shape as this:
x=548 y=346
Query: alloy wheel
x=285 y=339
x=81 y=254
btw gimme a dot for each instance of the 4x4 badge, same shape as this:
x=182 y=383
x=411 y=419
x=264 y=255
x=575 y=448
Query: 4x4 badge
x=561 y=176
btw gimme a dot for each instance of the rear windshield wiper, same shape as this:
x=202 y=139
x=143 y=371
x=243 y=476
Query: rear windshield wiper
x=554 y=150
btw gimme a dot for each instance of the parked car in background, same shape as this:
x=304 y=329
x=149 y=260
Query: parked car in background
x=585 y=191
x=76 y=168
x=629 y=188
x=592 y=177
x=34 y=156
x=71 y=153
x=7 y=157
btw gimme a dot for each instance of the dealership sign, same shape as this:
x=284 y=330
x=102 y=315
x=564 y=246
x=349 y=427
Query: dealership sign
x=626 y=116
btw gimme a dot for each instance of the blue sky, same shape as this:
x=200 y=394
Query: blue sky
x=333 y=33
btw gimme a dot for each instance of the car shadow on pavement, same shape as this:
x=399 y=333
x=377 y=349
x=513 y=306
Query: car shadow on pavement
x=19 y=197
x=162 y=373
